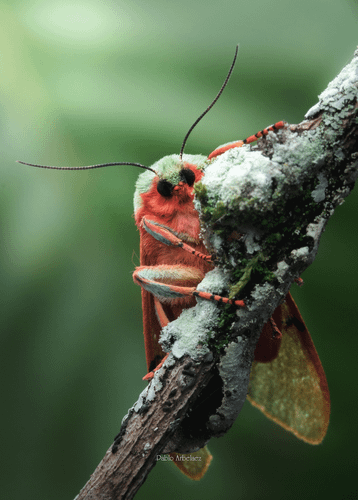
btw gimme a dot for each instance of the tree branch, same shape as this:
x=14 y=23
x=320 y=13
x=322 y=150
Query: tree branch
x=263 y=210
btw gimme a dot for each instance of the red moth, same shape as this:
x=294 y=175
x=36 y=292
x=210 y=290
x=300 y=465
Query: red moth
x=287 y=381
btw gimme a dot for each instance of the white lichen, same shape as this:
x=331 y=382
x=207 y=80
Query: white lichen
x=230 y=175
x=148 y=394
x=190 y=331
x=260 y=293
x=319 y=193
x=141 y=401
x=345 y=83
x=154 y=387
x=216 y=242
x=282 y=268
x=249 y=240
x=300 y=253
x=298 y=155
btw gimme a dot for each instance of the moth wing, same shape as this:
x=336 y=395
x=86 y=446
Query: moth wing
x=151 y=331
x=193 y=465
x=292 y=389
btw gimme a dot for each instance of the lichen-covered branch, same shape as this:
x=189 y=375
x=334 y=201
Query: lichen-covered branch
x=263 y=210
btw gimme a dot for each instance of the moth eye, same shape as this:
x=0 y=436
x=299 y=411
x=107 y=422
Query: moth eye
x=188 y=175
x=165 y=188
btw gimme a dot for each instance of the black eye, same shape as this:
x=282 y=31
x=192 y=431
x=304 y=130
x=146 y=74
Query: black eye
x=188 y=176
x=165 y=188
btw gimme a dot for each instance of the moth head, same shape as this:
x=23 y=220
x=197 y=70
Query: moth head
x=187 y=177
x=172 y=186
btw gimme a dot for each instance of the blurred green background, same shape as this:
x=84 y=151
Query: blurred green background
x=86 y=82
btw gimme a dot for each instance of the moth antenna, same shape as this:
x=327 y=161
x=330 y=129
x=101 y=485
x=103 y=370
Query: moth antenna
x=211 y=105
x=88 y=167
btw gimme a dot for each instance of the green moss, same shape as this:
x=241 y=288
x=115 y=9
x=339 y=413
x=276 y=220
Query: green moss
x=218 y=338
x=201 y=192
x=255 y=270
x=219 y=210
x=274 y=238
x=278 y=226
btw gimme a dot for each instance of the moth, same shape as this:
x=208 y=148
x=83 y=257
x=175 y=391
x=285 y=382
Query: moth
x=287 y=381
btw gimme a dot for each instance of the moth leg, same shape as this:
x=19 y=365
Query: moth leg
x=218 y=298
x=150 y=375
x=248 y=140
x=276 y=331
x=165 y=235
x=169 y=283
x=163 y=321
x=162 y=317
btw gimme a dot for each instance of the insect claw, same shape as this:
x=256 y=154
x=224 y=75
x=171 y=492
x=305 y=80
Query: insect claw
x=150 y=375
